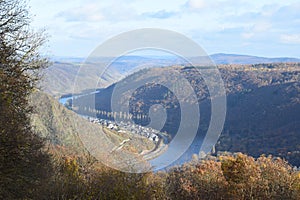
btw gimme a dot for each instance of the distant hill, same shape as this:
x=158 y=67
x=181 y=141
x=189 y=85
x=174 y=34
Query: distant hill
x=263 y=108
x=222 y=58
x=60 y=78
x=219 y=58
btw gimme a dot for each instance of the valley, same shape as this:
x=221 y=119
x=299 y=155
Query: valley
x=263 y=106
x=145 y=100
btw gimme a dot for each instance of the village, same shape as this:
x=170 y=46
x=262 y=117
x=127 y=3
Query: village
x=150 y=133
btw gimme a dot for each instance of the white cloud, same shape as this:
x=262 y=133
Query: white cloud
x=197 y=4
x=258 y=29
x=290 y=38
x=88 y=12
x=212 y=23
x=248 y=35
x=262 y=26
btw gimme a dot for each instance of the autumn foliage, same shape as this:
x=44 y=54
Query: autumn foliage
x=224 y=177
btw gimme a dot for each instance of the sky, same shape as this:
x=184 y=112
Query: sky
x=269 y=28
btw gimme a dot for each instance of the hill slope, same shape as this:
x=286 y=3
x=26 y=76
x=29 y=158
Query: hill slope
x=263 y=110
x=60 y=78
x=70 y=134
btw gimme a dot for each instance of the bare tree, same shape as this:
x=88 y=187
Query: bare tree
x=23 y=164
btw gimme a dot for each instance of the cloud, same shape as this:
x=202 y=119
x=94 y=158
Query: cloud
x=196 y=4
x=262 y=26
x=258 y=29
x=93 y=11
x=161 y=14
x=248 y=35
x=219 y=24
x=287 y=13
x=290 y=38
x=84 y=13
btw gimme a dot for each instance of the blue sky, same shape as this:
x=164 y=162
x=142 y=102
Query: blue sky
x=259 y=27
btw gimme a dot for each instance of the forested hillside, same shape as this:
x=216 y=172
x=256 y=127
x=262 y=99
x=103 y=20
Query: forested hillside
x=50 y=152
x=263 y=105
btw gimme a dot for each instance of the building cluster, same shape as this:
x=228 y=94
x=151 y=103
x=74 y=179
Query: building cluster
x=122 y=126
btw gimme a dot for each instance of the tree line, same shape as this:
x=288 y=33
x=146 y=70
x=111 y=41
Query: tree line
x=29 y=170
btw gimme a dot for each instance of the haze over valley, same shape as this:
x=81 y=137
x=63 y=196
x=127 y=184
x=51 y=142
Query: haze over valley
x=256 y=93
